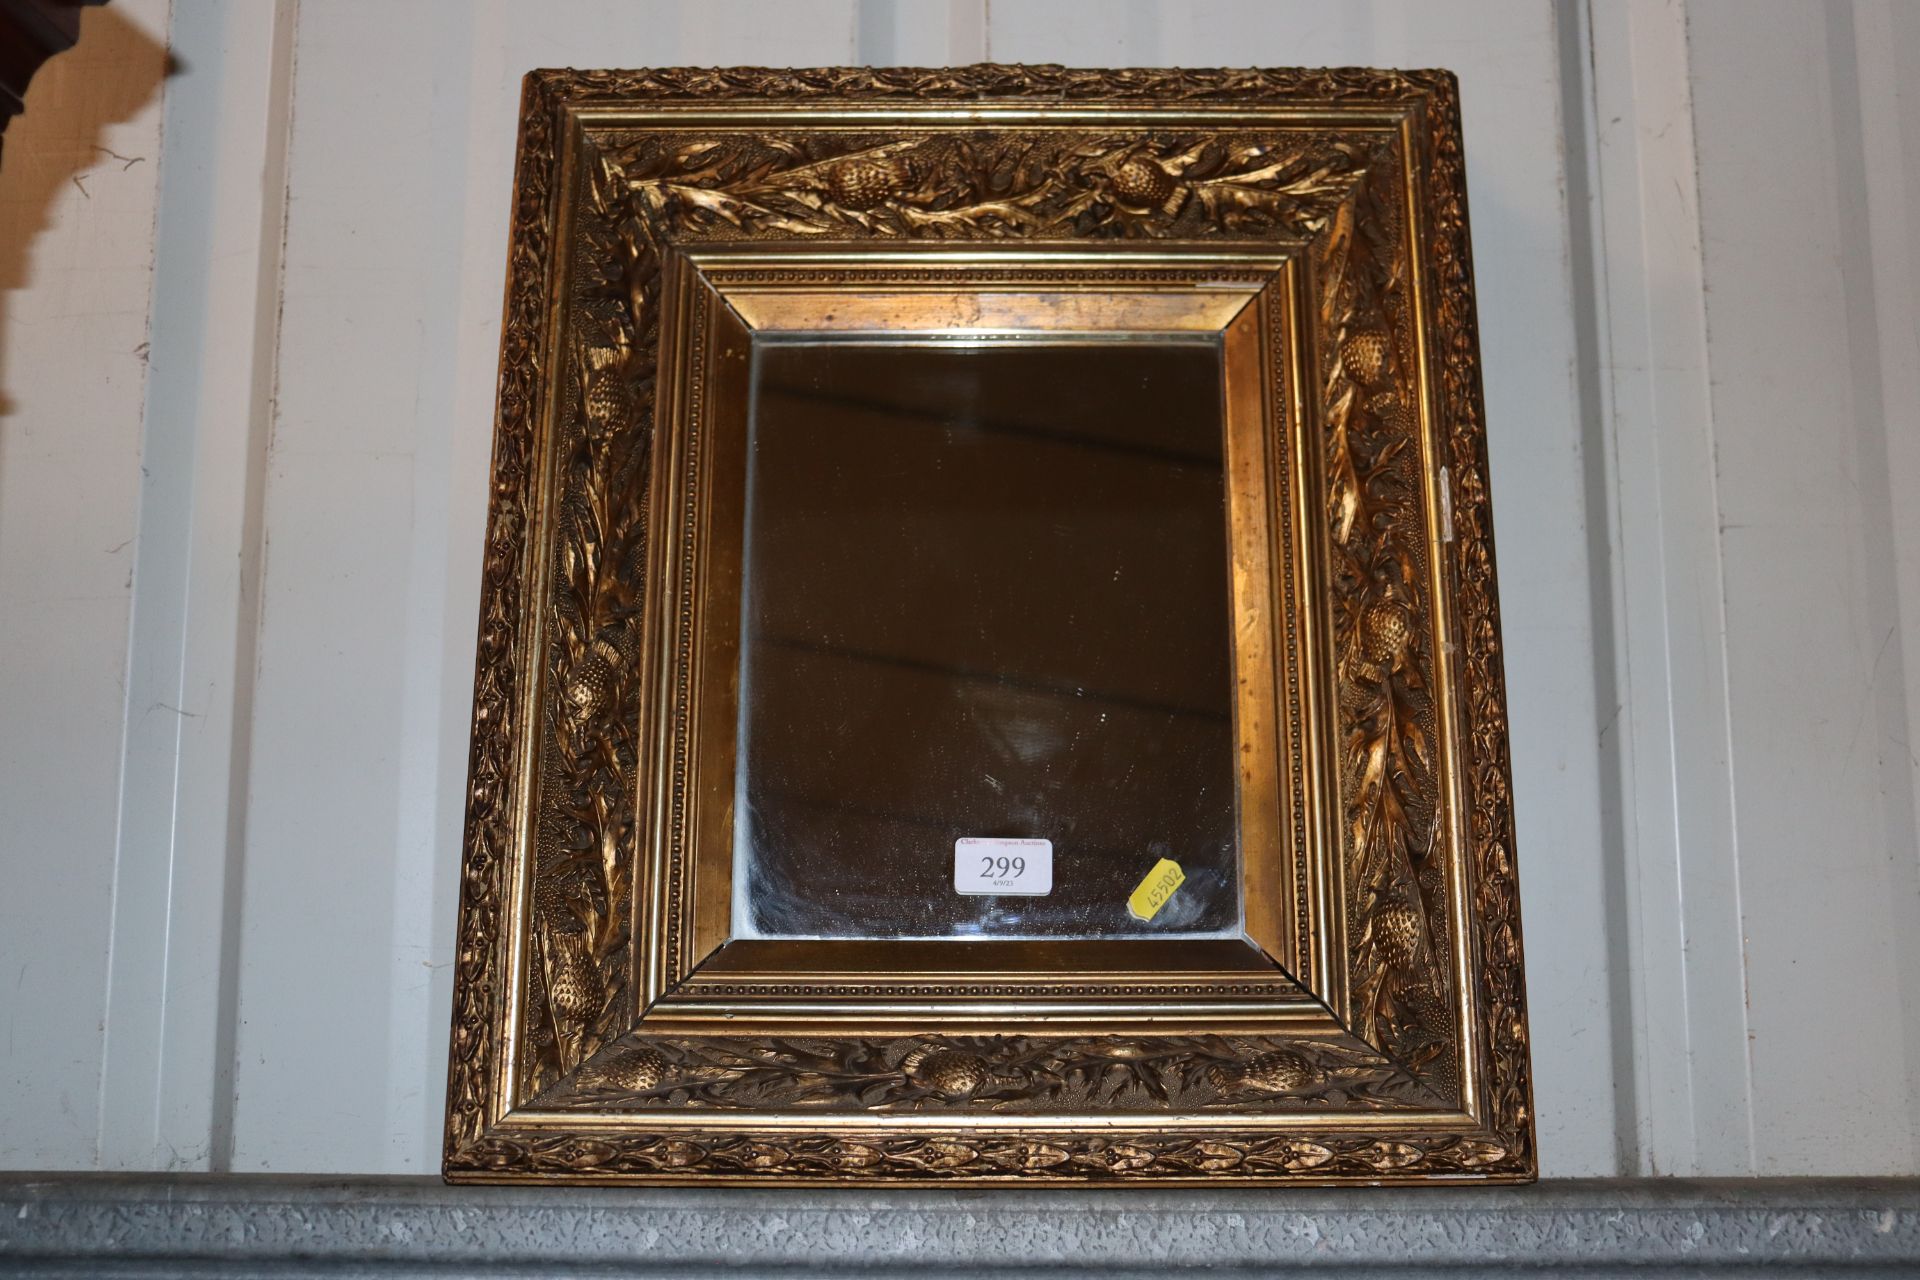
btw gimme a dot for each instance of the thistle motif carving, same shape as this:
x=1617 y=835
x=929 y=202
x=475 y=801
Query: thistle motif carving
x=1335 y=193
x=1007 y=1074
x=1001 y=186
x=661 y=189
x=1396 y=889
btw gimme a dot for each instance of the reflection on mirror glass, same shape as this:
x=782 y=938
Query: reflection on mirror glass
x=986 y=682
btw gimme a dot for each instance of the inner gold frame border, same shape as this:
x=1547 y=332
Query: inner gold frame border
x=1371 y=1028
x=716 y=302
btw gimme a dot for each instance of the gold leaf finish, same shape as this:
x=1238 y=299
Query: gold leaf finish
x=1382 y=1034
x=1007 y=1074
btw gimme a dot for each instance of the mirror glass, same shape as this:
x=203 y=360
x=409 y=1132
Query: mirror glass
x=986 y=676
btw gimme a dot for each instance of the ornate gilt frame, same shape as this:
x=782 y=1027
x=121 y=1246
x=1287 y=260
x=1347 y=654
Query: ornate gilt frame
x=1371 y=1026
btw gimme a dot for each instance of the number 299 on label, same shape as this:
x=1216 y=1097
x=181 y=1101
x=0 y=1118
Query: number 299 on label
x=989 y=865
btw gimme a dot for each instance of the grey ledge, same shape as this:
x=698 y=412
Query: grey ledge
x=196 y=1225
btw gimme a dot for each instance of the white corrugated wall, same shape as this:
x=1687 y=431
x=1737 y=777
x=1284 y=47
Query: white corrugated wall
x=251 y=257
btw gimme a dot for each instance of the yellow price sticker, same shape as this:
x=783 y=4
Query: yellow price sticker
x=1146 y=901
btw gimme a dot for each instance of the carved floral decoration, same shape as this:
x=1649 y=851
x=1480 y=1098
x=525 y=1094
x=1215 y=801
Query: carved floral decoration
x=1336 y=194
x=1002 y=1073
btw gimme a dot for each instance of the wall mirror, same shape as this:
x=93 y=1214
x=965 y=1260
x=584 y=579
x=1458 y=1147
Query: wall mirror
x=989 y=662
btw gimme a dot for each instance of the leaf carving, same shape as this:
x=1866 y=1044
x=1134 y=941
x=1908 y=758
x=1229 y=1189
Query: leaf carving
x=597 y=368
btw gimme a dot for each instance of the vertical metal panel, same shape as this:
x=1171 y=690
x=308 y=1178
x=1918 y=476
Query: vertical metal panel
x=77 y=197
x=182 y=811
x=1681 y=930
x=1826 y=881
x=1886 y=39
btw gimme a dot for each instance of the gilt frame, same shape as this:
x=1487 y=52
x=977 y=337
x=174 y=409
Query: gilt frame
x=1371 y=1026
